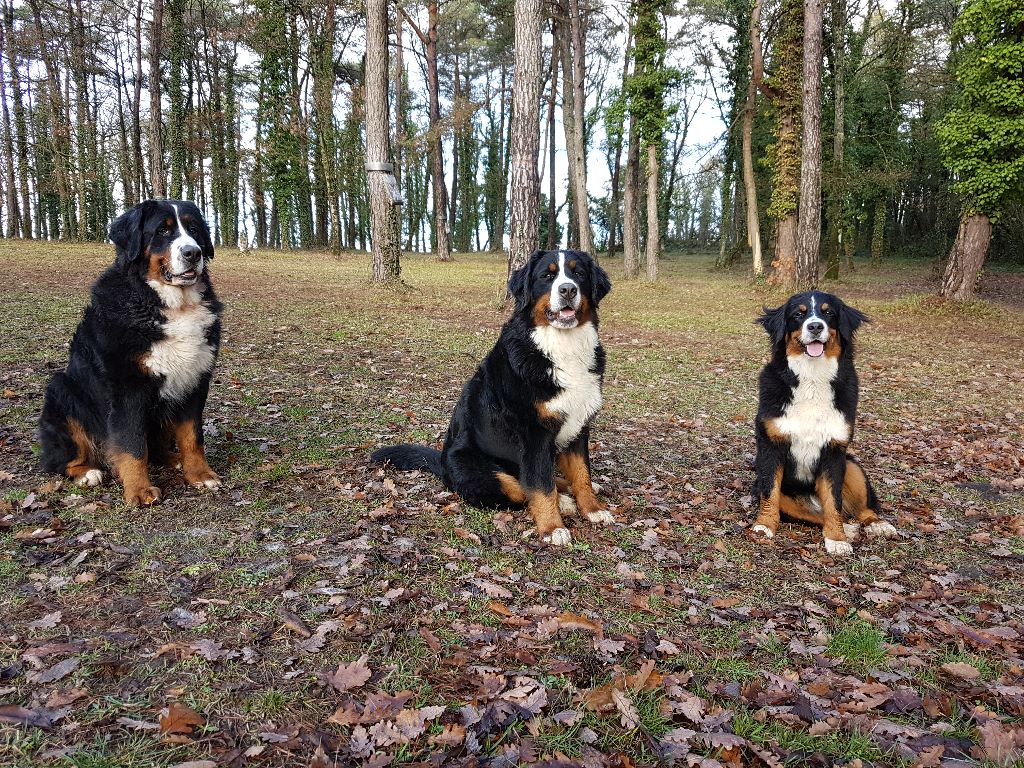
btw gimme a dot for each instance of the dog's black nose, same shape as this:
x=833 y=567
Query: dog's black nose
x=815 y=327
x=191 y=253
x=567 y=291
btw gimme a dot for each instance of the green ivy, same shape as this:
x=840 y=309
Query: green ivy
x=982 y=139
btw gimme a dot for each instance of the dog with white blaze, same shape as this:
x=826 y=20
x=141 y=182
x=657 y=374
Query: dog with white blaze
x=805 y=420
x=141 y=360
x=528 y=408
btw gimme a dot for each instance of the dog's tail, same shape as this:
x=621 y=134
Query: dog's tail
x=410 y=457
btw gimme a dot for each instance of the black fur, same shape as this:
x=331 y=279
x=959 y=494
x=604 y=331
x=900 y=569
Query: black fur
x=104 y=387
x=496 y=426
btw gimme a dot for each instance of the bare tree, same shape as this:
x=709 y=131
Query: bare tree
x=749 y=183
x=381 y=182
x=156 y=140
x=429 y=40
x=809 y=226
x=573 y=53
x=524 y=190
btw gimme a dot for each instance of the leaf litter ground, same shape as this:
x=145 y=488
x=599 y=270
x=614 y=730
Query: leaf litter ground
x=317 y=611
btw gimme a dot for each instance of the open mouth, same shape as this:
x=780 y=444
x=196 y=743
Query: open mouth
x=188 y=276
x=815 y=348
x=563 y=316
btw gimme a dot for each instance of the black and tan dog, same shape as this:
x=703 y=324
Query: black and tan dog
x=529 y=406
x=805 y=422
x=141 y=360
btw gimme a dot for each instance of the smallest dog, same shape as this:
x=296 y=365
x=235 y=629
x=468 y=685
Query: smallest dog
x=805 y=420
x=141 y=360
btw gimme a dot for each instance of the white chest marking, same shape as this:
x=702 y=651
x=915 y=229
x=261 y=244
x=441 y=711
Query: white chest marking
x=183 y=356
x=572 y=354
x=812 y=420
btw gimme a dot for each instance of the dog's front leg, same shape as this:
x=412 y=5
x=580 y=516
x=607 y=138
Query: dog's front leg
x=574 y=463
x=127 y=452
x=829 y=487
x=771 y=458
x=537 y=476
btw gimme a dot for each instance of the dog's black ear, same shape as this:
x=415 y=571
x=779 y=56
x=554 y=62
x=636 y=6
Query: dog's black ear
x=126 y=233
x=520 y=284
x=599 y=282
x=774 y=322
x=850 y=320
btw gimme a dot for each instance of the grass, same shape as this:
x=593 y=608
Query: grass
x=305 y=388
x=858 y=644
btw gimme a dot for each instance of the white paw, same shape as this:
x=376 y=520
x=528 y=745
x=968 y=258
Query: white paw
x=602 y=516
x=559 y=537
x=880 y=528
x=838 y=547
x=852 y=530
x=764 y=530
x=92 y=478
x=212 y=484
x=567 y=504
x=595 y=486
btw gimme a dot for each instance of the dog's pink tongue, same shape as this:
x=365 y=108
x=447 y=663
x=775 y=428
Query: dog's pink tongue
x=567 y=312
x=815 y=349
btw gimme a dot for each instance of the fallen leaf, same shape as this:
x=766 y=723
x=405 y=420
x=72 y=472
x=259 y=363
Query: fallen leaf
x=179 y=719
x=59 y=670
x=452 y=735
x=629 y=716
x=961 y=669
x=38 y=718
x=295 y=623
x=349 y=676
x=49 y=621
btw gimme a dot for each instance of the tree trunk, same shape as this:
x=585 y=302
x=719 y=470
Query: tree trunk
x=573 y=53
x=20 y=123
x=630 y=203
x=13 y=214
x=653 y=245
x=749 y=181
x=156 y=136
x=809 y=226
x=837 y=200
x=878 y=231
x=966 y=258
x=613 y=213
x=444 y=250
x=498 y=238
x=552 y=98
x=383 y=212
x=524 y=184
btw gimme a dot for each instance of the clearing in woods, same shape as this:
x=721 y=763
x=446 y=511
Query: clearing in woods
x=318 y=611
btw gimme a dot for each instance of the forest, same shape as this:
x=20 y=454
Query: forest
x=905 y=118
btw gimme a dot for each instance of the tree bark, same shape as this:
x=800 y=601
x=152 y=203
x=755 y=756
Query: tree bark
x=749 y=181
x=524 y=183
x=573 y=54
x=552 y=98
x=809 y=226
x=156 y=136
x=383 y=212
x=444 y=249
x=613 y=213
x=630 y=214
x=20 y=123
x=653 y=245
x=13 y=214
x=878 y=231
x=967 y=257
x=837 y=205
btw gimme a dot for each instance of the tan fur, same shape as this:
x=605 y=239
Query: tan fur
x=193 y=460
x=85 y=458
x=574 y=467
x=134 y=475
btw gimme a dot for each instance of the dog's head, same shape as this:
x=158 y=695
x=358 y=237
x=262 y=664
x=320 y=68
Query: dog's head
x=814 y=323
x=559 y=288
x=167 y=241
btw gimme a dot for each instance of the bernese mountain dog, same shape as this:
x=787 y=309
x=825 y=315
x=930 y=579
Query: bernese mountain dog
x=141 y=359
x=805 y=421
x=529 y=406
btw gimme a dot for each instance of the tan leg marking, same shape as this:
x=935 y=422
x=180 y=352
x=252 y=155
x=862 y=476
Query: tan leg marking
x=511 y=488
x=574 y=467
x=835 y=534
x=768 y=519
x=193 y=459
x=544 y=508
x=134 y=474
x=84 y=468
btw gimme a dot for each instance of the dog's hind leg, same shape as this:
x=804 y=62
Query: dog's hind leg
x=66 y=446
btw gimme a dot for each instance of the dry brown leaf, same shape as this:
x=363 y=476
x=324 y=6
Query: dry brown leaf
x=179 y=719
x=452 y=735
x=961 y=669
x=568 y=620
x=59 y=670
x=295 y=623
x=49 y=621
x=349 y=676
x=628 y=714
